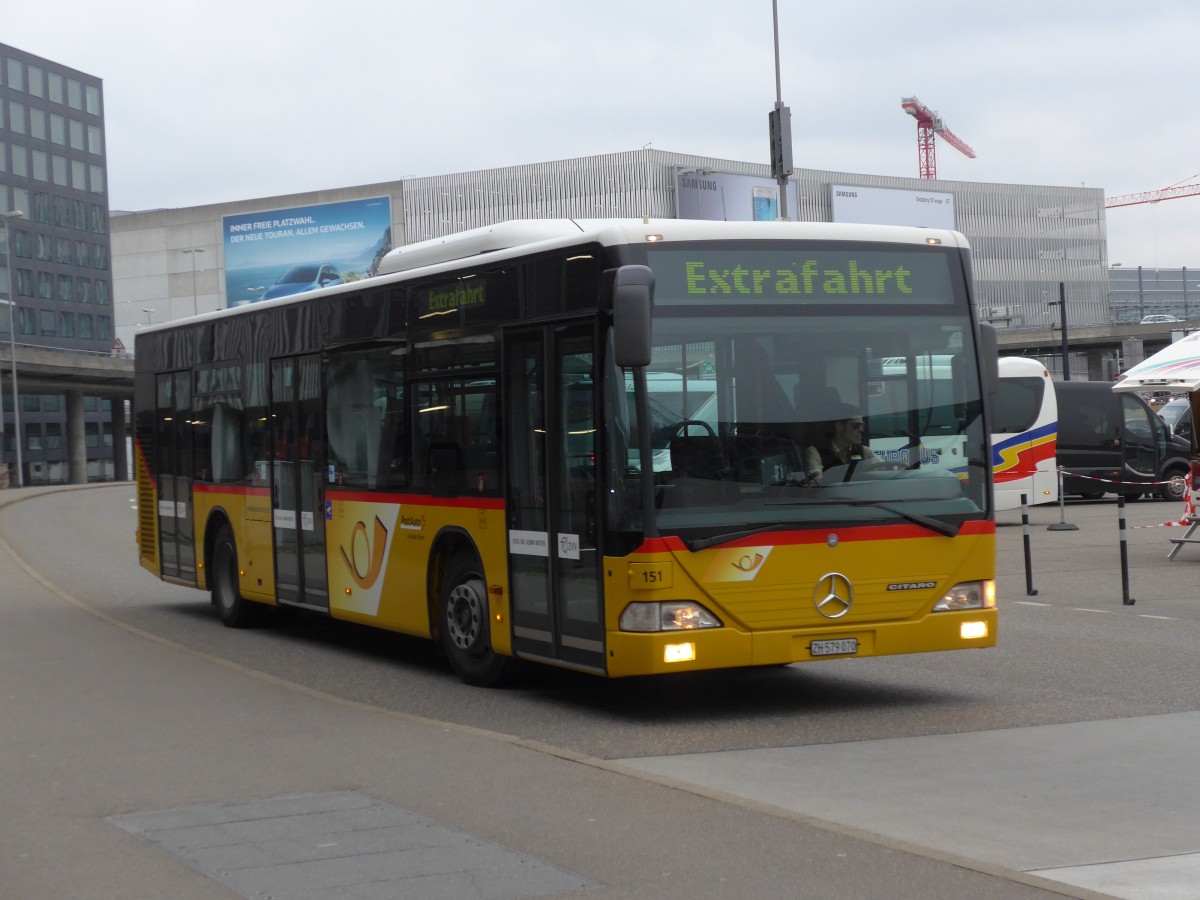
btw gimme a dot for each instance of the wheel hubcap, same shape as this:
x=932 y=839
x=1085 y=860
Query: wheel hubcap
x=464 y=616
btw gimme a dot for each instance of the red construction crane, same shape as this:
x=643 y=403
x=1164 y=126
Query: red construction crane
x=1171 y=193
x=930 y=123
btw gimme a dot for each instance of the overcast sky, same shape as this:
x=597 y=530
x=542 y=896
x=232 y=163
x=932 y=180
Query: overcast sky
x=208 y=101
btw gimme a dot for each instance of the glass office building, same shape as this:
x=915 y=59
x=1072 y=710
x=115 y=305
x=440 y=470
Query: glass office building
x=57 y=266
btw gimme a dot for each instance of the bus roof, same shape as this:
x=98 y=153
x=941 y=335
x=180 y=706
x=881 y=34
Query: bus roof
x=525 y=234
x=517 y=237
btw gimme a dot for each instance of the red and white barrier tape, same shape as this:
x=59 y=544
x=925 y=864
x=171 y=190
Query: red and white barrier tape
x=1189 y=503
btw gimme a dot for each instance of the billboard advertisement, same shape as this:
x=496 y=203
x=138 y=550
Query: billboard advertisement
x=890 y=206
x=279 y=252
x=724 y=197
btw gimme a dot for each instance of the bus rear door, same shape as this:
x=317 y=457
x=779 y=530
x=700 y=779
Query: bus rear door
x=173 y=469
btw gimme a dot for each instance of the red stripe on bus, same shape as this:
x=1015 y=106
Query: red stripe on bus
x=242 y=490
x=819 y=536
x=354 y=496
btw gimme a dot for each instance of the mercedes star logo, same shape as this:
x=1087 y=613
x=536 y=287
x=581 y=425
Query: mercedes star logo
x=833 y=595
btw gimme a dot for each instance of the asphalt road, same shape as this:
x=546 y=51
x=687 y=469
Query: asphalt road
x=713 y=778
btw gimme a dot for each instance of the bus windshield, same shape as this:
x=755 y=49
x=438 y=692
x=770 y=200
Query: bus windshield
x=788 y=420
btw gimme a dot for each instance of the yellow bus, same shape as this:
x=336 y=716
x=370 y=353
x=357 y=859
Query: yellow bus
x=496 y=443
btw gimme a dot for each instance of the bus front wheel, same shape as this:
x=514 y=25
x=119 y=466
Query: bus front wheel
x=465 y=627
x=233 y=609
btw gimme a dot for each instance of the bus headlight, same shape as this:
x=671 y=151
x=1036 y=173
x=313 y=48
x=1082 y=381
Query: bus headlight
x=968 y=595
x=667 y=615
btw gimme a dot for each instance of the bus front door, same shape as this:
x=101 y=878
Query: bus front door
x=297 y=482
x=553 y=533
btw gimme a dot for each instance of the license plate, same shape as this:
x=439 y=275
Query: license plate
x=835 y=647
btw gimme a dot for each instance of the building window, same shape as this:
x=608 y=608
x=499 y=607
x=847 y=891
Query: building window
x=95 y=145
x=54 y=439
x=58 y=129
x=83 y=290
x=36 y=83
x=66 y=288
x=55 y=82
x=66 y=324
x=16 y=75
x=78 y=175
x=92 y=99
x=37 y=124
x=45 y=285
x=47 y=317
x=16 y=117
x=25 y=289
x=58 y=168
x=41 y=208
x=99 y=220
x=76 y=130
x=33 y=436
x=91 y=434
x=51 y=402
x=85 y=326
x=31 y=403
x=74 y=94
x=97 y=179
x=3 y=157
x=100 y=292
x=20 y=161
x=104 y=328
x=41 y=165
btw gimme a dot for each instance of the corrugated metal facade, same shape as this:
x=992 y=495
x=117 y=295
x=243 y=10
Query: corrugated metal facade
x=1026 y=238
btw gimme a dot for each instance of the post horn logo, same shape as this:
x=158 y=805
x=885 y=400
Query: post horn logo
x=373 y=555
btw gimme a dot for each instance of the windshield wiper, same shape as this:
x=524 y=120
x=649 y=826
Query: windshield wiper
x=714 y=540
x=941 y=527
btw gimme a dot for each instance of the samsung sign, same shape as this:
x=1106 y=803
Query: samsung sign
x=885 y=206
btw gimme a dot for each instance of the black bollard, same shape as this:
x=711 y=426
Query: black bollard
x=1125 y=598
x=1029 y=591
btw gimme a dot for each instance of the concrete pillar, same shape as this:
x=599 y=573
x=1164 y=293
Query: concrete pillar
x=120 y=457
x=76 y=439
x=1132 y=353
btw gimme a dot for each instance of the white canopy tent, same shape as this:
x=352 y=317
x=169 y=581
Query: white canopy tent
x=1175 y=368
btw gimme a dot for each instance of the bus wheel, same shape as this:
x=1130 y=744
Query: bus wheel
x=234 y=610
x=465 y=626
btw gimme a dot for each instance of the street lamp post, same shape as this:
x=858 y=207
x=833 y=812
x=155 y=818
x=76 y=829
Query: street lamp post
x=12 y=341
x=1061 y=303
x=192 y=251
x=149 y=315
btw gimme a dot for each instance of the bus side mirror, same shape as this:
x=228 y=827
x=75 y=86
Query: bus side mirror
x=633 y=302
x=989 y=355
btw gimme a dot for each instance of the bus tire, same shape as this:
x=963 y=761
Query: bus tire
x=465 y=625
x=234 y=610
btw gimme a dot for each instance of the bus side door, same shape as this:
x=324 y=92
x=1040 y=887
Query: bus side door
x=553 y=546
x=297 y=482
x=173 y=470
